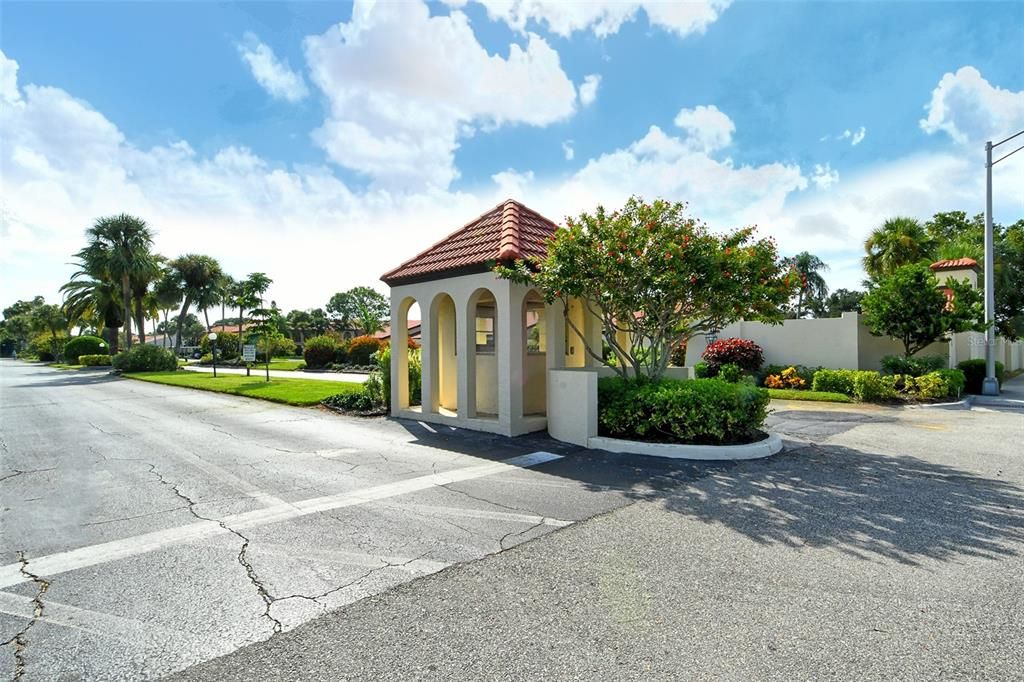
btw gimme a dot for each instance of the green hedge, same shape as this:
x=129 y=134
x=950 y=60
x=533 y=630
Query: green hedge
x=871 y=386
x=145 y=358
x=82 y=345
x=319 y=351
x=915 y=367
x=974 y=372
x=705 y=411
x=97 y=360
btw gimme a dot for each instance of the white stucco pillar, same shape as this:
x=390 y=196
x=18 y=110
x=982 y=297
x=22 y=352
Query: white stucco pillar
x=465 y=351
x=399 y=361
x=510 y=356
x=428 y=355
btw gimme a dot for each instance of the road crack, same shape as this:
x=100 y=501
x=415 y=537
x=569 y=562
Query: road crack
x=20 y=640
x=243 y=559
x=19 y=472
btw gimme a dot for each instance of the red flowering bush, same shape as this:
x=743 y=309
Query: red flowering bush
x=747 y=355
x=361 y=348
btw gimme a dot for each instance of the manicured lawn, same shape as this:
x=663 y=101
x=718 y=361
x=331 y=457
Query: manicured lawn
x=823 y=396
x=61 y=365
x=289 y=391
x=286 y=364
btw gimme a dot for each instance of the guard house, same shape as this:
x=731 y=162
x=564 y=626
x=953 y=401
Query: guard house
x=487 y=343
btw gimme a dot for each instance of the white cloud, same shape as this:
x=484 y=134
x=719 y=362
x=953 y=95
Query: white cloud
x=276 y=77
x=707 y=127
x=568 y=150
x=404 y=86
x=854 y=136
x=971 y=110
x=588 y=89
x=8 y=79
x=603 y=17
x=823 y=176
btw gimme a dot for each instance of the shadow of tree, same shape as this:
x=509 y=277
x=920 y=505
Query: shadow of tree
x=863 y=504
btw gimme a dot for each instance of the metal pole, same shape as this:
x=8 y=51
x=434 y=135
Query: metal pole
x=990 y=386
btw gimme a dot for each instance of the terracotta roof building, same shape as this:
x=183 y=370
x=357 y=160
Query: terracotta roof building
x=508 y=231
x=955 y=264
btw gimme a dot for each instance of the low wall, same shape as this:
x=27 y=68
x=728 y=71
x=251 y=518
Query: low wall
x=572 y=405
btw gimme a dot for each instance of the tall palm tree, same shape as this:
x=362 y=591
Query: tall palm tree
x=812 y=284
x=899 y=241
x=148 y=272
x=198 y=276
x=119 y=246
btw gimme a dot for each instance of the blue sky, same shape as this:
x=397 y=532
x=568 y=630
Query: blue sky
x=375 y=143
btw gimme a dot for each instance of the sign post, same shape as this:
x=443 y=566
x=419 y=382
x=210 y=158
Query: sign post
x=248 y=355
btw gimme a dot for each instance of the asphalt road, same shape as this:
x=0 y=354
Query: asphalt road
x=147 y=528
x=883 y=544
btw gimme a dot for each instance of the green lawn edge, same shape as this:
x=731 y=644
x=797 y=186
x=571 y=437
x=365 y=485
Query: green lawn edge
x=819 y=396
x=295 y=392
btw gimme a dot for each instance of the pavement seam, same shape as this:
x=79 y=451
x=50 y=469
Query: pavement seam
x=20 y=639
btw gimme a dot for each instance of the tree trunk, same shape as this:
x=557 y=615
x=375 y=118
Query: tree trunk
x=181 y=321
x=113 y=340
x=206 y=316
x=126 y=293
x=140 y=319
x=240 y=330
x=166 y=330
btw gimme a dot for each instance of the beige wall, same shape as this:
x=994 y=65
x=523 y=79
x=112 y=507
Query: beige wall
x=534 y=399
x=486 y=383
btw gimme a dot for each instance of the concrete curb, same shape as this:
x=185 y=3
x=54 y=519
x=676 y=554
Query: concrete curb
x=964 y=403
x=762 y=448
x=996 y=401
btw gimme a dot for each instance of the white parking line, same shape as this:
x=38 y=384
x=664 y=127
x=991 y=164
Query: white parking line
x=62 y=562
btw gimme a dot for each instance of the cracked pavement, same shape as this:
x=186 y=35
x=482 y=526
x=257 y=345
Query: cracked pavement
x=149 y=528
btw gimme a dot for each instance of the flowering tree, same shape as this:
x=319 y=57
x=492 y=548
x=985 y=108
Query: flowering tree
x=658 y=276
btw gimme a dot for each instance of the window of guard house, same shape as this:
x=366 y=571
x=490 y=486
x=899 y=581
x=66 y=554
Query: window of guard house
x=536 y=329
x=485 y=327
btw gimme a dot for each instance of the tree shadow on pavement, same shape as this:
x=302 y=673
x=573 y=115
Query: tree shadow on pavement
x=87 y=379
x=864 y=504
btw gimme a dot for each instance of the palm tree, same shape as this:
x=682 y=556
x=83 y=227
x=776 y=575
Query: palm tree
x=167 y=292
x=198 y=276
x=224 y=293
x=119 y=246
x=301 y=322
x=899 y=241
x=248 y=294
x=99 y=301
x=141 y=279
x=812 y=284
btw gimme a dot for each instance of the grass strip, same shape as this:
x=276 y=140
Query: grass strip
x=821 y=396
x=299 y=392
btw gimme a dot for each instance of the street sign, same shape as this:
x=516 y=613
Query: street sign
x=249 y=352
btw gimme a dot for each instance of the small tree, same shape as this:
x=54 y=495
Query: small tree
x=658 y=276
x=910 y=307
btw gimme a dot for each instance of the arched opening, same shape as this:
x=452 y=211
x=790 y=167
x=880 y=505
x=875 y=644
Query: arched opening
x=445 y=388
x=535 y=349
x=406 y=368
x=483 y=347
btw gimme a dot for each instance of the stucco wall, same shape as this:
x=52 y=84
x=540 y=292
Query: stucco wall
x=534 y=399
x=486 y=383
x=572 y=405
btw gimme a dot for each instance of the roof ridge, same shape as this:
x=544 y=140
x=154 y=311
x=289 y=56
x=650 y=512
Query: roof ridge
x=509 y=244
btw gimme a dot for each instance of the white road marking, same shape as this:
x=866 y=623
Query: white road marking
x=530 y=519
x=92 y=555
x=109 y=626
x=228 y=478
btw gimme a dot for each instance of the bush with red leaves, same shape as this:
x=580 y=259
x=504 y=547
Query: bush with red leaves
x=742 y=352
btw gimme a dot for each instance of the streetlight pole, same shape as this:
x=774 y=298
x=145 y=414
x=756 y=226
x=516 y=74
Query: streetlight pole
x=990 y=386
x=213 y=346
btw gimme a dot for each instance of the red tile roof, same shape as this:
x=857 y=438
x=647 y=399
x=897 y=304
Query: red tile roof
x=955 y=264
x=508 y=231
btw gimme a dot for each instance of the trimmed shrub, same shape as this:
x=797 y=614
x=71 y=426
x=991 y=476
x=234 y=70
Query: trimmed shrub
x=871 y=386
x=341 y=353
x=834 y=381
x=227 y=347
x=361 y=348
x=145 y=358
x=730 y=372
x=319 y=351
x=47 y=348
x=359 y=400
x=702 y=370
x=915 y=367
x=704 y=411
x=96 y=360
x=787 y=378
x=974 y=374
x=82 y=345
x=742 y=352
x=280 y=346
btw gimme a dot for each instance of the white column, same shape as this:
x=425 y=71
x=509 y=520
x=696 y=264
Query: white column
x=465 y=349
x=428 y=355
x=509 y=355
x=399 y=361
